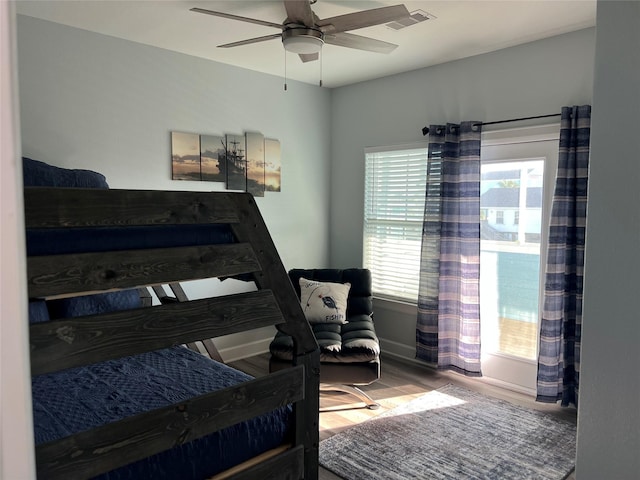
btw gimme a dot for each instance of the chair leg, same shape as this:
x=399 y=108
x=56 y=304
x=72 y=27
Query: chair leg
x=353 y=390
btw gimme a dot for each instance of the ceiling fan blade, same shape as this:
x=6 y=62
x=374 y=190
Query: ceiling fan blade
x=299 y=11
x=237 y=17
x=308 y=57
x=365 y=18
x=359 y=42
x=251 y=40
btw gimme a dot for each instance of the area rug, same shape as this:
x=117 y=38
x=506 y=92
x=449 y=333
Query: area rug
x=453 y=433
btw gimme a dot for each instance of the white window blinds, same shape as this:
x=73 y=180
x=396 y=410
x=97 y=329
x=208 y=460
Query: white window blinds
x=395 y=182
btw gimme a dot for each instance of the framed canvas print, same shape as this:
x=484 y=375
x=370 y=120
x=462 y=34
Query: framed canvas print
x=255 y=164
x=272 y=165
x=236 y=162
x=213 y=158
x=185 y=156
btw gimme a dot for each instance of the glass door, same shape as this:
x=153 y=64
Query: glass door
x=517 y=179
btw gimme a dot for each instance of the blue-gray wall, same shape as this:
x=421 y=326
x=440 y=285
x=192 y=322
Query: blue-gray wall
x=521 y=81
x=537 y=78
x=98 y=102
x=609 y=407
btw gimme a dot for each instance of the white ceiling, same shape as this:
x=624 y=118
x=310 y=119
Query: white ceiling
x=460 y=29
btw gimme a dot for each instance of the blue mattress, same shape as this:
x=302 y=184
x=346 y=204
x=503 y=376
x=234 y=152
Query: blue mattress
x=78 y=399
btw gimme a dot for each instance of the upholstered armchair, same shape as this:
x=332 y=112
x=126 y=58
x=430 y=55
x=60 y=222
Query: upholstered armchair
x=341 y=316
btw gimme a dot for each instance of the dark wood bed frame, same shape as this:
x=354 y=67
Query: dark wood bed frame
x=61 y=344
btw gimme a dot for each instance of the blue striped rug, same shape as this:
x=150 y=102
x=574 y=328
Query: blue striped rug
x=452 y=434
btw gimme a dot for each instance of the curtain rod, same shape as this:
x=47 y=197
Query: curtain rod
x=425 y=130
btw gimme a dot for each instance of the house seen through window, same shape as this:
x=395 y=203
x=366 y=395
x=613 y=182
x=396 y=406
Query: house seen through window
x=511 y=202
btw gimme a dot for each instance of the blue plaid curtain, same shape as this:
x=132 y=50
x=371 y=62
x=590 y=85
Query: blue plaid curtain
x=448 y=326
x=561 y=324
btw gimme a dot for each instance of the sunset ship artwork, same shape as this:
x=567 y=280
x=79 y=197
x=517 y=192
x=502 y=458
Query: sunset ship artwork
x=185 y=149
x=247 y=162
x=213 y=158
x=236 y=164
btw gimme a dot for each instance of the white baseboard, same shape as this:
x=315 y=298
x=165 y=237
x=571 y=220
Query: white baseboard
x=398 y=350
x=508 y=386
x=238 y=352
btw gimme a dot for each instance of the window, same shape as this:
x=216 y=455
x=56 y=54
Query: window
x=518 y=171
x=395 y=182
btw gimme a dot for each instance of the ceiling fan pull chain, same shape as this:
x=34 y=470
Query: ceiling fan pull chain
x=285 y=70
x=320 y=55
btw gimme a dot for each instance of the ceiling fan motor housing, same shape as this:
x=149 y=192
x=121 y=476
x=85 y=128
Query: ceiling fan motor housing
x=302 y=40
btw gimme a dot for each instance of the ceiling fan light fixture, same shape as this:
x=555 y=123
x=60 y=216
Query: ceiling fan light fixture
x=302 y=40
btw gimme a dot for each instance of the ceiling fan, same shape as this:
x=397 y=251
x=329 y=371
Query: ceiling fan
x=302 y=32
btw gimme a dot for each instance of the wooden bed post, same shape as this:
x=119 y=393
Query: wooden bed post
x=307 y=427
x=306 y=350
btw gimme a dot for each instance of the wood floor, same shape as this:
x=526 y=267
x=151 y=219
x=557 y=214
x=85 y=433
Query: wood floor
x=400 y=381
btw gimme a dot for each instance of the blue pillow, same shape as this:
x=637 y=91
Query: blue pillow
x=94 y=304
x=38 y=312
x=40 y=174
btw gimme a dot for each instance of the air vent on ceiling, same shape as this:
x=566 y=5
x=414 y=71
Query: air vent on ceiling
x=414 y=17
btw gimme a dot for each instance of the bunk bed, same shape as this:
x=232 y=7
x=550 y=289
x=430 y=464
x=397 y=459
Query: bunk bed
x=117 y=393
